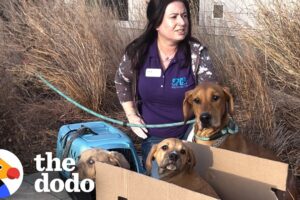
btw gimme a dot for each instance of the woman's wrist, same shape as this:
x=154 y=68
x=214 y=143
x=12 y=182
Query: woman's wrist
x=131 y=114
x=129 y=109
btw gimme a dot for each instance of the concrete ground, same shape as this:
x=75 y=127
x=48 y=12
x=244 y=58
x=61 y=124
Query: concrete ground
x=27 y=191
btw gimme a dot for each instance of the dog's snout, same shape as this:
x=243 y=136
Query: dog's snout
x=205 y=118
x=173 y=156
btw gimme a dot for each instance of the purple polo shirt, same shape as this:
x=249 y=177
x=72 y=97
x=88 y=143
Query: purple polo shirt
x=162 y=96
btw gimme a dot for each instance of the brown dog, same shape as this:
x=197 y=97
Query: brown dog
x=212 y=104
x=86 y=164
x=176 y=163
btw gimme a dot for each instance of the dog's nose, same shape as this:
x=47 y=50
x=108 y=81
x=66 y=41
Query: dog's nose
x=205 y=118
x=75 y=168
x=173 y=156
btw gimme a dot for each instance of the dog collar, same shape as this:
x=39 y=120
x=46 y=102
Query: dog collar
x=231 y=128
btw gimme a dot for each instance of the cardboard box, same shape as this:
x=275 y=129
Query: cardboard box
x=234 y=176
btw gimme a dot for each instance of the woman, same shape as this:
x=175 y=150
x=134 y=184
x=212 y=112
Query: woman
x=158 y=68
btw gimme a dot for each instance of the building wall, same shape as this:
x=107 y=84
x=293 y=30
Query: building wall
x=233 y=13
x=232 y=9
x=136 y=15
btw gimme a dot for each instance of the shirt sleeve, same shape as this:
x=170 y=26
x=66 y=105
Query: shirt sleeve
x=206 y=69
x=123 y=80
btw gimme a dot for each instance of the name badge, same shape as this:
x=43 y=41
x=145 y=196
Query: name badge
x=153 y=72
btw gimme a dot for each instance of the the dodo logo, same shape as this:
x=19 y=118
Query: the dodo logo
x=11 y=173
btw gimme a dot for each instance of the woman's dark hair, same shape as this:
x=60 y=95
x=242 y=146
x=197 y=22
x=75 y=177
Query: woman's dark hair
x=137 y=50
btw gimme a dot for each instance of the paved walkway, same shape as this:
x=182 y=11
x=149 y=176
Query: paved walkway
x=27 y=191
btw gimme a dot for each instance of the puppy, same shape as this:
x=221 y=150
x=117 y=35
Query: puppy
x=176 y=163
x=86 y=164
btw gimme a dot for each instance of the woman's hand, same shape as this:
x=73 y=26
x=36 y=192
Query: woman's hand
x=139 y=131
x=133 y=118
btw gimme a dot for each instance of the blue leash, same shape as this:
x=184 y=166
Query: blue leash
x=107 y=118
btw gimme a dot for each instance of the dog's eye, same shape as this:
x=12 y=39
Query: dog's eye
x=197 y=101
x=215 y=98
x=165 y=147
x=182 y=151
x=91 y=161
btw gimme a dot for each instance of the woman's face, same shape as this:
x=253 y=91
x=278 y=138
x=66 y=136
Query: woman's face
x=174 y=26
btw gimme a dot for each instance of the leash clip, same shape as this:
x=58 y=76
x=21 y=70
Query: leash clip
x=232 y=127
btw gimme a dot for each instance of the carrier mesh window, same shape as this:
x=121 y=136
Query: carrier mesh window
x=128 y=155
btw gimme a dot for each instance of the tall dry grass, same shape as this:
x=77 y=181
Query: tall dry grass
x=77 y=47
x=278 y=38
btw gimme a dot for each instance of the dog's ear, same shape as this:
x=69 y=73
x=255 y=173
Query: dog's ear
x=119 y=159
x=187 y=106
x=150 y=157
x=229 y=99
x=191 y=159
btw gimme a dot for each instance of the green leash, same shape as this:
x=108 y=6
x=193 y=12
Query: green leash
x=107 y=118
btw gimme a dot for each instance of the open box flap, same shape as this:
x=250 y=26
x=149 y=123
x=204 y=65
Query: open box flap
x=114 y=183
x=262 y=170
x=240 y=176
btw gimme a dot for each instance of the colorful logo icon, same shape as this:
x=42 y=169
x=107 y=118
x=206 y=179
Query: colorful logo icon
x=11 y=173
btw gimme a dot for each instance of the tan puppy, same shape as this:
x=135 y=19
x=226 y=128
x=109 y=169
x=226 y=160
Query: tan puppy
x=86 y=164
x=176 y=163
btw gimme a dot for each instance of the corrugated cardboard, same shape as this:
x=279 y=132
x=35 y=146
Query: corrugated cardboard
x=234 y=176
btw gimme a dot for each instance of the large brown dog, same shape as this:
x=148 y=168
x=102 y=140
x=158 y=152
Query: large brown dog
x=176 y=163
x=212 y=104
x=86 y=164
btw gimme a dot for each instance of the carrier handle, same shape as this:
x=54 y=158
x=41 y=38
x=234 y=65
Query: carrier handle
x=83 y=130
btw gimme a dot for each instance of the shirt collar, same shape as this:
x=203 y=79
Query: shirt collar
x=153 y=52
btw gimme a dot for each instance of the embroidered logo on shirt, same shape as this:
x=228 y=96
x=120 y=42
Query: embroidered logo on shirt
x=179 y=82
